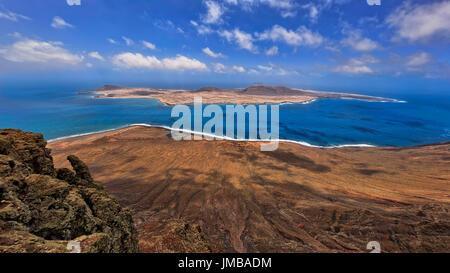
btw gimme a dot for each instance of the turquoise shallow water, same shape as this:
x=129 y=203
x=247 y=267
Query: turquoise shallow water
x=57 y=111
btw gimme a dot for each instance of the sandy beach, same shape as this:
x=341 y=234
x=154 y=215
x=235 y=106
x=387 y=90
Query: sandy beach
x=230 y=197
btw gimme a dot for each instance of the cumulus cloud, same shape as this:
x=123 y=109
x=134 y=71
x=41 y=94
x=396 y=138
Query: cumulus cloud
x=210 y=53
x=221 y=68
x=137 y=60
x=242 y=39
x=272 y=51
x=112 y=41
x=300 y=37
x=59 y=22
x=96 y=55
x=238 y=68
x=420 y=22
x=34 y=51
x=355 y=41
x=214 y=12
x=128 y=41
x=149 y=45
x=73 y=2
x=11 y=16
x=357 y=65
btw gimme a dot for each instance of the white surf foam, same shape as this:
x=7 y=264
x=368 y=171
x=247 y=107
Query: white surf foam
x=303 y=143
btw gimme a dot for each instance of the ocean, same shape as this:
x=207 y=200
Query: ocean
x=59 y=111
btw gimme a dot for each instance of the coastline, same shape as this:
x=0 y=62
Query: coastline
x=294 y=199
x=212 y=95
x=222 y=138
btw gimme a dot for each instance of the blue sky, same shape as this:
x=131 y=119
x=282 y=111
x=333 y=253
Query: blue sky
x=341 y=45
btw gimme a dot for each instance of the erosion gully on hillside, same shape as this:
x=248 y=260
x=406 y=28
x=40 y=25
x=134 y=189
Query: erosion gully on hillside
x=224 y=196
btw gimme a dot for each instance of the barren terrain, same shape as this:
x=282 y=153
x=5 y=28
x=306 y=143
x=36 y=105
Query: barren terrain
x=225 y=196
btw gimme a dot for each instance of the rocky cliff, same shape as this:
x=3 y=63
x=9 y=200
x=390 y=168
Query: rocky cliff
x=42 y=209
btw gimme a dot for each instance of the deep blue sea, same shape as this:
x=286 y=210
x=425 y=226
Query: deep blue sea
x=58 y=111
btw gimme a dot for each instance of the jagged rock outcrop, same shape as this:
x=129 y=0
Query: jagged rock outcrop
x=43 y=209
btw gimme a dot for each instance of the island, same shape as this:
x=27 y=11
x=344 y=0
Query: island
x=255 y=94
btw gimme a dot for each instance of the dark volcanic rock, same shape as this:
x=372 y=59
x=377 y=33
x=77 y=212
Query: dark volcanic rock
x=265 y=90
x=41 y=209
x=107 y=87
x=207 y=88
x=80 y=168
x=28 y=148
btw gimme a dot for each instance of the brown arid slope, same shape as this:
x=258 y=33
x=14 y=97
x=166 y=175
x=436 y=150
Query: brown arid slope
x=42 y=208
x=256 y=94
x=224 y=196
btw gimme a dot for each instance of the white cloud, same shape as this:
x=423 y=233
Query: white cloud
x=27 y=50
x=353 y=69
x=180 y=62
x=96 y=55
x=287 y=8
x=214 y=12
x=149 y=45
x=59 y=22
x=265 y=68
x=357 y=65
x=300 y=37
x=281 y=4
x=272 y=51
x=183 y=63
x=317 y=7
x=128 y=41
x=273 y=69
x=219 y=68
x=242 y=39
x=89 y=65
x=419 y=59
x=74 y=2
x=239 y=69
x=424 y=64
x=313 y=11
x=359 y=43
x=201 y=29
x=112 y=41
x=210 y=53
x=420 y=22
x=15 y=17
